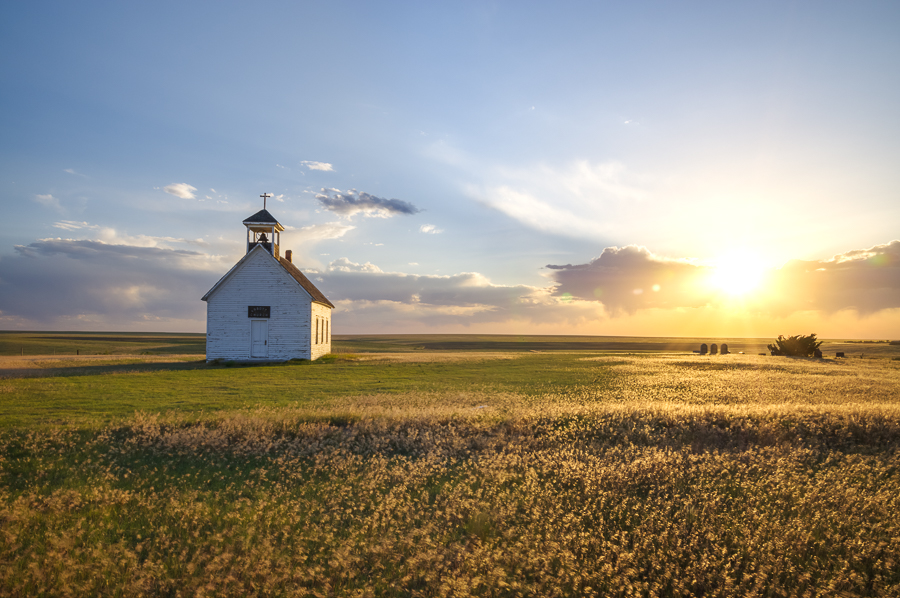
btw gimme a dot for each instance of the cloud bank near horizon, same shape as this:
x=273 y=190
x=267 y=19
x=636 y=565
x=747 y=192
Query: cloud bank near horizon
x=123 y=283
x=632 y=278
x=86 y=284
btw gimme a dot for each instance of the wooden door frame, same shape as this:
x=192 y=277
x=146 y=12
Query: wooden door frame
x=266 y=342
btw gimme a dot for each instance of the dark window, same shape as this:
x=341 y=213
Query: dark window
x=258 y=311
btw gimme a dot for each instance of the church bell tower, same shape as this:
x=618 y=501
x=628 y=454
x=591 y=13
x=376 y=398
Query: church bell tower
x=263 y=229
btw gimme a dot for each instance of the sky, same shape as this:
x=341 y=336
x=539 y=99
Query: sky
x=598 y=168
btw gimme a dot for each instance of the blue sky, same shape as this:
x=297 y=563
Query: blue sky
x=575 y=168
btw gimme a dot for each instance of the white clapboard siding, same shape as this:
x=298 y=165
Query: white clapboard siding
x=321 y=342
x=261 y=280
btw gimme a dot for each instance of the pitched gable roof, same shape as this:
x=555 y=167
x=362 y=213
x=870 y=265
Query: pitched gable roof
x=290 y=268
x=310 y=288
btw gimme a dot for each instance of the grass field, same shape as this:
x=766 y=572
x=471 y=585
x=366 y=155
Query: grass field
x=99 y=343
x=450 y=467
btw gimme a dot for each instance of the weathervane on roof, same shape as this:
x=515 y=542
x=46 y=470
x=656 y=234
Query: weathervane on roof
x=265 y=196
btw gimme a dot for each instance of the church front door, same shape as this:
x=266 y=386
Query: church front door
x=259 y=338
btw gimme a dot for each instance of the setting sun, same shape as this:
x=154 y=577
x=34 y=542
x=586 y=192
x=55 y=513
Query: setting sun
x=738 y=273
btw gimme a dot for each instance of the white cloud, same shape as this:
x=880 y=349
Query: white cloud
x=48 y=201
x=73 y=225
x=345 y=265
x=321 y=232
x=430 y=229
x=313 y=165
x=581 y=199
x=72 y=171
x=182 y=190
x=279 y=198
x=110 y=236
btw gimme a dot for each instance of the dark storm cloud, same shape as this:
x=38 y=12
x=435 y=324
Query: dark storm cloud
x=631 y=278
x=55 y=280
x=351 y=202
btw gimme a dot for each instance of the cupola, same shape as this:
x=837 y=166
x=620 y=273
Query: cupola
x=263 y=229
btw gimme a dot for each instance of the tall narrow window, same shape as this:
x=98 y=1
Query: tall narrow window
x=317 y=330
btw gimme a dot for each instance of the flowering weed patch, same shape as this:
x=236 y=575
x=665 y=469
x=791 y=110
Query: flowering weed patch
x=674 y=477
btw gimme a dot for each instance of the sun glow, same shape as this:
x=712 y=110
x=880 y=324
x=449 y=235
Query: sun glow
x=738 y=273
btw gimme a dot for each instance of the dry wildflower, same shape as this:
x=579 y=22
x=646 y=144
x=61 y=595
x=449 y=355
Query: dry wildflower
x=683 y=478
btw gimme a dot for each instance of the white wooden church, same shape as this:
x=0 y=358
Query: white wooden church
x=264 y=308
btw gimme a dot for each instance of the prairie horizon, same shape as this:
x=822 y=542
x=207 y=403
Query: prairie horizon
x=15 y=342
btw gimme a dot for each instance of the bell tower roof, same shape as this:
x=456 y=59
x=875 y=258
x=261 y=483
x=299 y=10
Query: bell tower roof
x=265 y=218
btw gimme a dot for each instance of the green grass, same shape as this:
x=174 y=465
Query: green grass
x=99 y=343
x=581 y=473
x=525 y=343
x=100 y=397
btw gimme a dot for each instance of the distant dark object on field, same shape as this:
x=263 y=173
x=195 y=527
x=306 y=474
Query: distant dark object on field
x=713 y=349
x=839 y=354
x=763 y=354
x=817 y=353
x=795 y=346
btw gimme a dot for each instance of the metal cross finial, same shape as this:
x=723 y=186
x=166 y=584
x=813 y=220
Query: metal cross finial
x=265 y=196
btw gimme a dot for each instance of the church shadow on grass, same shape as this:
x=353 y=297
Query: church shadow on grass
x=96 y=370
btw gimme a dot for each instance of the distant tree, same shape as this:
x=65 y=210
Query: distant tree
x=796 y=346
